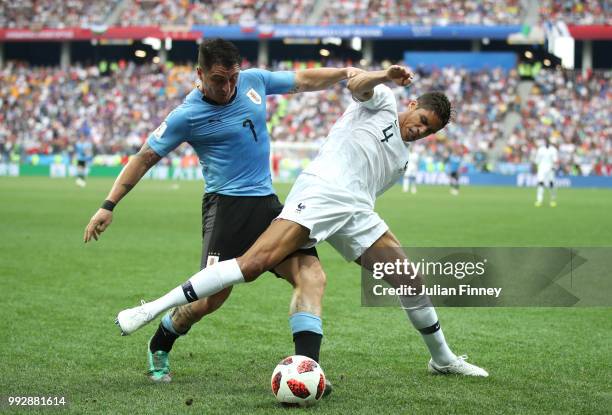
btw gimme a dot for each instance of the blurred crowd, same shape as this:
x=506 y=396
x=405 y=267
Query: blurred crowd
x=116 y=107
x=216 y=13
x=573 y=111
x=423 y=12
x=584 y=12
x=248 y=13
x=39 y=14
x=45 y=110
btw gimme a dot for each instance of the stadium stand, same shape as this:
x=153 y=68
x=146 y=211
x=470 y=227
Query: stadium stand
x=588 y=12
x=81 y=13
x=54 y=14
x=573 y=110
x=427 y=12
x=45 y=110
x=225 y=12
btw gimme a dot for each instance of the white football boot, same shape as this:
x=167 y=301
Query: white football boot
x=132 y=319
x=458 y=367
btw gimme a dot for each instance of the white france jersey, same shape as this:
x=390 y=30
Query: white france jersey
x=546 y=157
x=364 y=152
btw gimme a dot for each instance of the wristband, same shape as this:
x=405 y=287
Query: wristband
x=108 y=205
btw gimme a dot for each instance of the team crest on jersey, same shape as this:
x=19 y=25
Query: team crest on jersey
x=254 y=96
x=160 y=130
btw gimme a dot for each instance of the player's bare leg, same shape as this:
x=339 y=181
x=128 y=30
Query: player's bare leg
x=539 y=194
x=553 y=194
x=306 y=275
x=282 y=238
x=175 y=324
x=420 y=312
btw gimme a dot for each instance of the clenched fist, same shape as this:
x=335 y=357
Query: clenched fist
x=400 y=75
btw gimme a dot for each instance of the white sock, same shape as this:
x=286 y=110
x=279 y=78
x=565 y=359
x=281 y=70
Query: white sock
x=426 y=321
x=553 y=193
x=540 y=193
x=405 y=184
x=207 y=282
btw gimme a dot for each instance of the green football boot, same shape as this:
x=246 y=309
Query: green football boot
x=159 y=366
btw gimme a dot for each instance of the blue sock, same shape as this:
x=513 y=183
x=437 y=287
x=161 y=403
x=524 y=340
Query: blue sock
x=165 y=336
x=166 y=322
x=307 y=332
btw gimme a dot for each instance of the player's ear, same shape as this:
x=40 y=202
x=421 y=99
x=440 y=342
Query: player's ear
x=412 y=105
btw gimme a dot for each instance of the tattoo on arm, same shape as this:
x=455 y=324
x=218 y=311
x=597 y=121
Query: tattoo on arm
x=296 y=89
x=148 y=156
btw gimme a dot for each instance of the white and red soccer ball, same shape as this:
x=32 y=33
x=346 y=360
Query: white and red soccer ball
x=298 y=380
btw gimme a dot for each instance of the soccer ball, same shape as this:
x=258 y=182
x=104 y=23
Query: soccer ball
x=298 y=380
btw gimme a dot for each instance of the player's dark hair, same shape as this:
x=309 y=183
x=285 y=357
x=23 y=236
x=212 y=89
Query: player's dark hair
x=218 y=51
x=438 y=103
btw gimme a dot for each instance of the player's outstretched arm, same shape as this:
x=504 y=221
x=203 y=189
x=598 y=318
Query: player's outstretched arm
x=321 y=78
x=131 y=174
x=362 y=85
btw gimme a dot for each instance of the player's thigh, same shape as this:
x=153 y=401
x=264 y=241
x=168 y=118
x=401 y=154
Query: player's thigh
x=388 y=250
x=543 y=175
x=281 y=239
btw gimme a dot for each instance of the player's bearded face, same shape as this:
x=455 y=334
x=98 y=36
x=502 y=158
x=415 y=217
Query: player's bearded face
x=219 y=82
x=417 y=123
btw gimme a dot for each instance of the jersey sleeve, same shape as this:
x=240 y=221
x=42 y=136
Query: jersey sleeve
x=278 y=82
x=383 y=98
x=171 y=133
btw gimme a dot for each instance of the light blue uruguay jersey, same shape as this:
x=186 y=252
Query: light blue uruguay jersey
x=231 y=140
x=83 y=150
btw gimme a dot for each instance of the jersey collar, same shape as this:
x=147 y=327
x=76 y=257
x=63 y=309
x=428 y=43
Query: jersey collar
x=211 y=102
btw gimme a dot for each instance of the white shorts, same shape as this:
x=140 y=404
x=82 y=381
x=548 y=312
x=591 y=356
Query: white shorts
x=410 y=172
x=334 y=215
x=546 y=176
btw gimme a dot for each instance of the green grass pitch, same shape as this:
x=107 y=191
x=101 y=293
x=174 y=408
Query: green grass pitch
x=60 y=297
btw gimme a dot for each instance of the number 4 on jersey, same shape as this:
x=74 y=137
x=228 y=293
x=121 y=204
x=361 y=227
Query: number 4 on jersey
x=386 y=134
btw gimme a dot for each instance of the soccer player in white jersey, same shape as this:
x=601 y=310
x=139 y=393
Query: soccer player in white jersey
x=409 y=183
x=333 y=199
x=546 y=159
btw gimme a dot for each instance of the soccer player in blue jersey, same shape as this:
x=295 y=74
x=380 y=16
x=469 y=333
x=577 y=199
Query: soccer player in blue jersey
x=333 y=200
x=224 y=120
x=83 y=151
x=453 y=166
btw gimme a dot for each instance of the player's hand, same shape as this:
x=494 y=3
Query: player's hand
x=98 y=224
x=400 y=75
